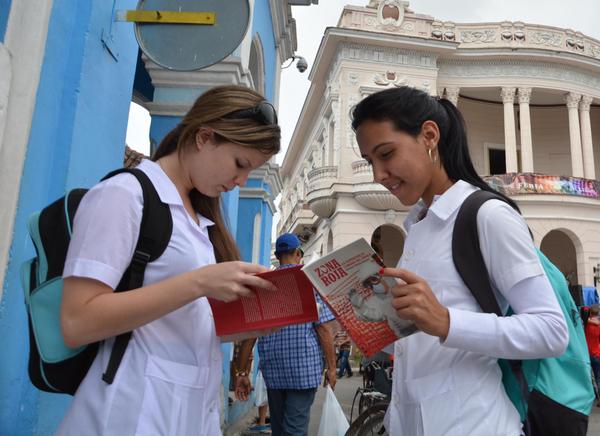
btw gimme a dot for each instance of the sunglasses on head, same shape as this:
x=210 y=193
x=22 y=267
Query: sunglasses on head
x=263 y=112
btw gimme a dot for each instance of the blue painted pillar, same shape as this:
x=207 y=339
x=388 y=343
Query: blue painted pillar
x=4 y=11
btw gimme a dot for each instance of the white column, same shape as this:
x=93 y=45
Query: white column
x=572 y=101
x=510 y=139
x=525 y=121
x=452 y=95
x=587 y=145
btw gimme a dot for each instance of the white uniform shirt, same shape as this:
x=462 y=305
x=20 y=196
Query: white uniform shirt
x=455 y=388
x=169 y=380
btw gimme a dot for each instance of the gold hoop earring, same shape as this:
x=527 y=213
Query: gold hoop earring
x=432 y=158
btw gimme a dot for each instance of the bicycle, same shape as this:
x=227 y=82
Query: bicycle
x=373 y=401
x=370 y=422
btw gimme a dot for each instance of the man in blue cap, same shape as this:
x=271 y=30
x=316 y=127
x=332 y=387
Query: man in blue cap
x=291 y=360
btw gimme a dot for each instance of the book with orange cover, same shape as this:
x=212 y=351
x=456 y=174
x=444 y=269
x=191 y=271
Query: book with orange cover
x=349 y=282
x=293 y=303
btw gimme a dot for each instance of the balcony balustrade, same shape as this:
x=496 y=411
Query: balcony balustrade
x=320 y=197
x=370 y=194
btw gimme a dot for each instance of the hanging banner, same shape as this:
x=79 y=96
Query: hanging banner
x=532 y=183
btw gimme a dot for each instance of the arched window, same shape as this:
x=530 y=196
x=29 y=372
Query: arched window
x=256 y=64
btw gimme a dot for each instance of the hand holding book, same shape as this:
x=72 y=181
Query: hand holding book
x=350 y=282
x=292 y=302
x=414 y=300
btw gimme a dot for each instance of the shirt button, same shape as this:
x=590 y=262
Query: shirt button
x=409 y=254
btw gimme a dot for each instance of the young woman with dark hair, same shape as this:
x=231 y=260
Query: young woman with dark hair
x=446 y=379
x=169 y=380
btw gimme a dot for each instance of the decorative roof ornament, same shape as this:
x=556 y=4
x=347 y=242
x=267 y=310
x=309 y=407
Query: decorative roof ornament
x=390 y=12
x=389 y=78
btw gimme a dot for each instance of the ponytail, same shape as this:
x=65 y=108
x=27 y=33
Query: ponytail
x=455 y=156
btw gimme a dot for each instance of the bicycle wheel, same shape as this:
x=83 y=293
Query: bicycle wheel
x=370 y=422
x=364 y=403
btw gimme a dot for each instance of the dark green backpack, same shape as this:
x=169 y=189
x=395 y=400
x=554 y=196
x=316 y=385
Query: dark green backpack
x=554 y=396
x=53 y=366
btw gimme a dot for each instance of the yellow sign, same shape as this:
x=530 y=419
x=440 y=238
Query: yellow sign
x=171 y=17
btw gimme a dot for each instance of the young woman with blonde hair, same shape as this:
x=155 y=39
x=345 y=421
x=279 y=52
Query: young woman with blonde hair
x=169 y=379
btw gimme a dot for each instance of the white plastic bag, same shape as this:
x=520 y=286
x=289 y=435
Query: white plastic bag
x=333 y=420
x=260 y=391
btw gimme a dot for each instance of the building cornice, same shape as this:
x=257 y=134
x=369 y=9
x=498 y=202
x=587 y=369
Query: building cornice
x=229 y=71
x=515 y=35
x=473 y=73
x=226 y=72
x=259 y=193
x=284 y=29
x=269 y=173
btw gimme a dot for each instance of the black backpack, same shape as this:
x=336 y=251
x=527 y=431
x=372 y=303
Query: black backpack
x=554 y=396
x=54 y=367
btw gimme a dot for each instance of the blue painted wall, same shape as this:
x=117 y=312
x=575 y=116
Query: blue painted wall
x=160 y=125
x=77 y=135
x=262 y=24
x=4 y=11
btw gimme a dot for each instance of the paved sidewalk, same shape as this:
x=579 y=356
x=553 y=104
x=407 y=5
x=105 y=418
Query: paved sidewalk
x=346 y=388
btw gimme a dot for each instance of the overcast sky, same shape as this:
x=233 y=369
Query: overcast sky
x=311 y=21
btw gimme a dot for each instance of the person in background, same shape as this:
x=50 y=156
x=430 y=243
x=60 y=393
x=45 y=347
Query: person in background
x=343 y=344
x=592 y=336
x=291 y=360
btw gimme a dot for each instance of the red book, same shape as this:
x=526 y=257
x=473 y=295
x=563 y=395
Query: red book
x=292 y=303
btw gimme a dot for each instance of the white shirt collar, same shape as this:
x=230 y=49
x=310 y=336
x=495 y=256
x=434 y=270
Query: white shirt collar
x=166 y=188
x=444 y=205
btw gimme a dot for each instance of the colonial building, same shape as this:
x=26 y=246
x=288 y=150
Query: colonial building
x=530 y=96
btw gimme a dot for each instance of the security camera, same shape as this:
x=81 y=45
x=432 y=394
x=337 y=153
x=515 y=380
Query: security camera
x=301 y=64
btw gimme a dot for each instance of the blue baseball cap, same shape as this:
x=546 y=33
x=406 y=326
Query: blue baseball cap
x=287 y=242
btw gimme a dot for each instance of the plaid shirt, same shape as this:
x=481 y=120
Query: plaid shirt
x=292 y=357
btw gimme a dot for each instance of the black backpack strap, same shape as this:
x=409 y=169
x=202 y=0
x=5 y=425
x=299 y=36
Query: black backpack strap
x=466 y=252
x=155 y=232
x=468 y=260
